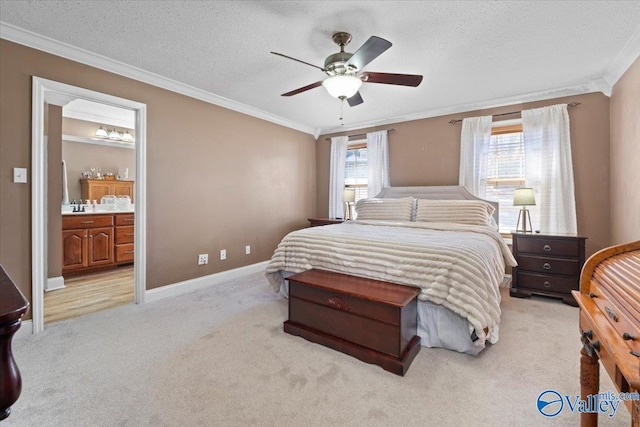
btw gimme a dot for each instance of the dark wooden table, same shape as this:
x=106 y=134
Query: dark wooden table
x=13 y=305
x=315 y=222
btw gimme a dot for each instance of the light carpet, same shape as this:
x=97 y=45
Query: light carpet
x=219 y=357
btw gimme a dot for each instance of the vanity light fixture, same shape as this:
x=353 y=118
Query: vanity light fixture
x=127 y=137
x=102 y=133
x=115 y=135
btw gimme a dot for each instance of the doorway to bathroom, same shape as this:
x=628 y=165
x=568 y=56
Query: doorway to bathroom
x=91 y=164
x=48 y=93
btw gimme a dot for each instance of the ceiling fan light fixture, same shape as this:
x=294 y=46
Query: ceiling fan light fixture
x=342 y=86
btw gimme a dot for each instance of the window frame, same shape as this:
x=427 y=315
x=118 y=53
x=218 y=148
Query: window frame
x=357 y=145
x=505 y=127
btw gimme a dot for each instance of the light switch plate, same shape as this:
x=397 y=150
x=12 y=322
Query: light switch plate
x=20 y=175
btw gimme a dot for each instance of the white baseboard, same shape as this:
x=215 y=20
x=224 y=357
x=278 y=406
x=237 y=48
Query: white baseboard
x=54 y=283
x=202 y=282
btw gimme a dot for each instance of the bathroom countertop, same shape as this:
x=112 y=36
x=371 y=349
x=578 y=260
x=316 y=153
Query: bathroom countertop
x=67 y=210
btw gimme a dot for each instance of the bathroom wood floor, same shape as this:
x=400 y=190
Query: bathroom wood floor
x=89 y=293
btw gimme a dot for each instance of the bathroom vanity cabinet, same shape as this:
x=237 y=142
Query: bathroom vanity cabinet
x=96 y=241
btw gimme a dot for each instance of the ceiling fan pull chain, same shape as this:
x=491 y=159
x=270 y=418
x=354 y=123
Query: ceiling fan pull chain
x=342 y=111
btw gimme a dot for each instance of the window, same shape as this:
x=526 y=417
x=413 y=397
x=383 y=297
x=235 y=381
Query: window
x=355 y=171
x=506 y=172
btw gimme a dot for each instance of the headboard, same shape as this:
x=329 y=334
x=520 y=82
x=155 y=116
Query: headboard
x=436 y=192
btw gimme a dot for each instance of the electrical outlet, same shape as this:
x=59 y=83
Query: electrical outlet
x=223 y=254
x=203 y=259
x=247 y=250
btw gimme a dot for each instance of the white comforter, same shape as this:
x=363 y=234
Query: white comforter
x=457 y=266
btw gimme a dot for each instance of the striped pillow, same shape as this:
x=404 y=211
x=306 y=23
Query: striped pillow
x=473 y=212
x=387 y=209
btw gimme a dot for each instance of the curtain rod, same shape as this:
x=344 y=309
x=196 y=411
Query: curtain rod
x=360 y=135
x=569 y=105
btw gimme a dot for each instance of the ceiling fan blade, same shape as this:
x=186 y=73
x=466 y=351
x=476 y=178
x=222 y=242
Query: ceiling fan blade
x=355 y=100
x=303 y=89
x=369 y=51
x=297 y=60
x=392 y=79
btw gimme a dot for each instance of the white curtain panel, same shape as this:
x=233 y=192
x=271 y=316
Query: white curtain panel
x=336 y=175
x=549 y=168
x=377 y=162
x=474 y=154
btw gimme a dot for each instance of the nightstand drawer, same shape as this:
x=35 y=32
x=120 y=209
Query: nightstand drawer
x=547 y=265
x=553 y=247
x=548 y=283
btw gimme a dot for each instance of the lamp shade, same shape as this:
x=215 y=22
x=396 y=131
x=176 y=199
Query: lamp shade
x=127 y=137
x=349 y=195
x=114 y=134
x=342 y=86
x=524 y=197
x=102 y=133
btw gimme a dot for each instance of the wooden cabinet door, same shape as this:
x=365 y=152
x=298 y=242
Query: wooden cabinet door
x=96 y=190
x=100 y=246
x=123 y=188
x=74 y=249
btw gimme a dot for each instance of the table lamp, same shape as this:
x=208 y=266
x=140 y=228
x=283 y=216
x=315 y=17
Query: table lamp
x=348 y=197
x=524 y=197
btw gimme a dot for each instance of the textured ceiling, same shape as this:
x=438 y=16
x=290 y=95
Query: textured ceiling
x=471 y=53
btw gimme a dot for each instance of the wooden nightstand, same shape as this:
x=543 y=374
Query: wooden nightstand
x=315 y=222
x=548 y=264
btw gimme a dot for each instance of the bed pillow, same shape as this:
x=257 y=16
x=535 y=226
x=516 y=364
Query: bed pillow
x=472 y=212
x=387 y=209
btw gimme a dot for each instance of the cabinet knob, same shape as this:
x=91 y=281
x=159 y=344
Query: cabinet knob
x=546 y=284
x=546 y=266
x=592 y=295
x=628 y=337
x=546 y=248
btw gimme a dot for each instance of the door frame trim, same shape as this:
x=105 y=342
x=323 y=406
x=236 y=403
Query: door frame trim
x=59 y=94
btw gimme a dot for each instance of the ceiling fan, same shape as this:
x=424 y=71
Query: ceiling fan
x=345 y=70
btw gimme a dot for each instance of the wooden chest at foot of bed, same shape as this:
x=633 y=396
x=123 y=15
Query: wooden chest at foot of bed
x=372 y=320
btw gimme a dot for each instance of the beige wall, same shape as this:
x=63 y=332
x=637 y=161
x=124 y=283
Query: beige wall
x=625 y=157
x=81 y=156
x=427 y=152
x=216 y=178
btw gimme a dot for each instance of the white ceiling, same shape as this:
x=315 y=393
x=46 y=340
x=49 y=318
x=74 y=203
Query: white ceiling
x=473 y=54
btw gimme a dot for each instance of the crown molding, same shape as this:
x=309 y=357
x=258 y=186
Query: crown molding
x=624 y=59
x=55 y=47
x=629 y=53
x=597 y=85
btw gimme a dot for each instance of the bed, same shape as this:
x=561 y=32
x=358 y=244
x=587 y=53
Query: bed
x=441 y=239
